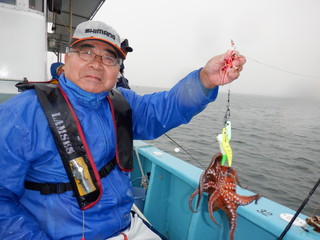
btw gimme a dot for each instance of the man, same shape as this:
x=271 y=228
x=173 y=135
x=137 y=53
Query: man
x=31 y=157
x=122 y=81
x=56 y=70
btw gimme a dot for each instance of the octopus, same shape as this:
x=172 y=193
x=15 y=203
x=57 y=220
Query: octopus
x=220 y=184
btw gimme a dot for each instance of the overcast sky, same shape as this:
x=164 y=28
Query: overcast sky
x=170 y=38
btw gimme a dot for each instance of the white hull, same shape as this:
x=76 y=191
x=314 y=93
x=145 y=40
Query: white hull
x=25 y=37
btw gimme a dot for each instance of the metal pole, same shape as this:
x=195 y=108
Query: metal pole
x=70 y=21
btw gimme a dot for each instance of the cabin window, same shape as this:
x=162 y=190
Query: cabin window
x=36 y=5
x=13 y=2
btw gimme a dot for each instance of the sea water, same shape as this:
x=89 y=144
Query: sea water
x=275 y=143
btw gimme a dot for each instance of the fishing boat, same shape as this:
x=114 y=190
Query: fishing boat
x=162 y=183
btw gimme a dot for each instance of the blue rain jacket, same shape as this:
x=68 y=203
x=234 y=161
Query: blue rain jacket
x=53 y=70
x=28 y=152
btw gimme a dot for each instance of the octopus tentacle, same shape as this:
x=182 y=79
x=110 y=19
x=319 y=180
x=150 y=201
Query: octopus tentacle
x=245 y=200
x=200 y=188
x=195 y=193
x=236 y=177
x=220 y=184
x=232 y=215
x=211 y=204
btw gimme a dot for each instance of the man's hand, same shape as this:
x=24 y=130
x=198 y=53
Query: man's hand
x=222 y=69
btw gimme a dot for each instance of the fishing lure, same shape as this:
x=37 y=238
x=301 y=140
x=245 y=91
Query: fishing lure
x=225 y=137
x=225 y=147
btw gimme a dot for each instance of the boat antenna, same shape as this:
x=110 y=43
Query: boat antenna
x=299 y=210
x=184 y=150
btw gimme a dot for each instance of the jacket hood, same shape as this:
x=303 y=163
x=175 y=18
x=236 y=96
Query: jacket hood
x=53 y=69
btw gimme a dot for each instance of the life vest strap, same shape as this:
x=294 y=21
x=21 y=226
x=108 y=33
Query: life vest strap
x=48 y=188
x=57 y=188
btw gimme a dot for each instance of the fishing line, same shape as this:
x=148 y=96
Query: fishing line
x=184 y=150
x=227 y=123
x=226 y=119
x=299 y=210
x=282 y=70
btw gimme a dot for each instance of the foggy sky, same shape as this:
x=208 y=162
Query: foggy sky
x=170 y=38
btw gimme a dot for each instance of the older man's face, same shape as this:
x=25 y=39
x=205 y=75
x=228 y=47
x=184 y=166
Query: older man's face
x=92 y=76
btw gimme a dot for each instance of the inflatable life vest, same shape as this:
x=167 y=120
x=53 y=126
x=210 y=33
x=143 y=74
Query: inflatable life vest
x=74 y=151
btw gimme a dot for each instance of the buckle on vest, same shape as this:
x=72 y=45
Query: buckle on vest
x=61 y=188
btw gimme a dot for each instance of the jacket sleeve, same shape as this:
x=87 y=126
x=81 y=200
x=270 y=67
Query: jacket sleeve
x=15 y=222
x=155 y=114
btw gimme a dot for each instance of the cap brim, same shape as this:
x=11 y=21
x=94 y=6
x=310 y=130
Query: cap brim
x=115 y=47
x=128 y=49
